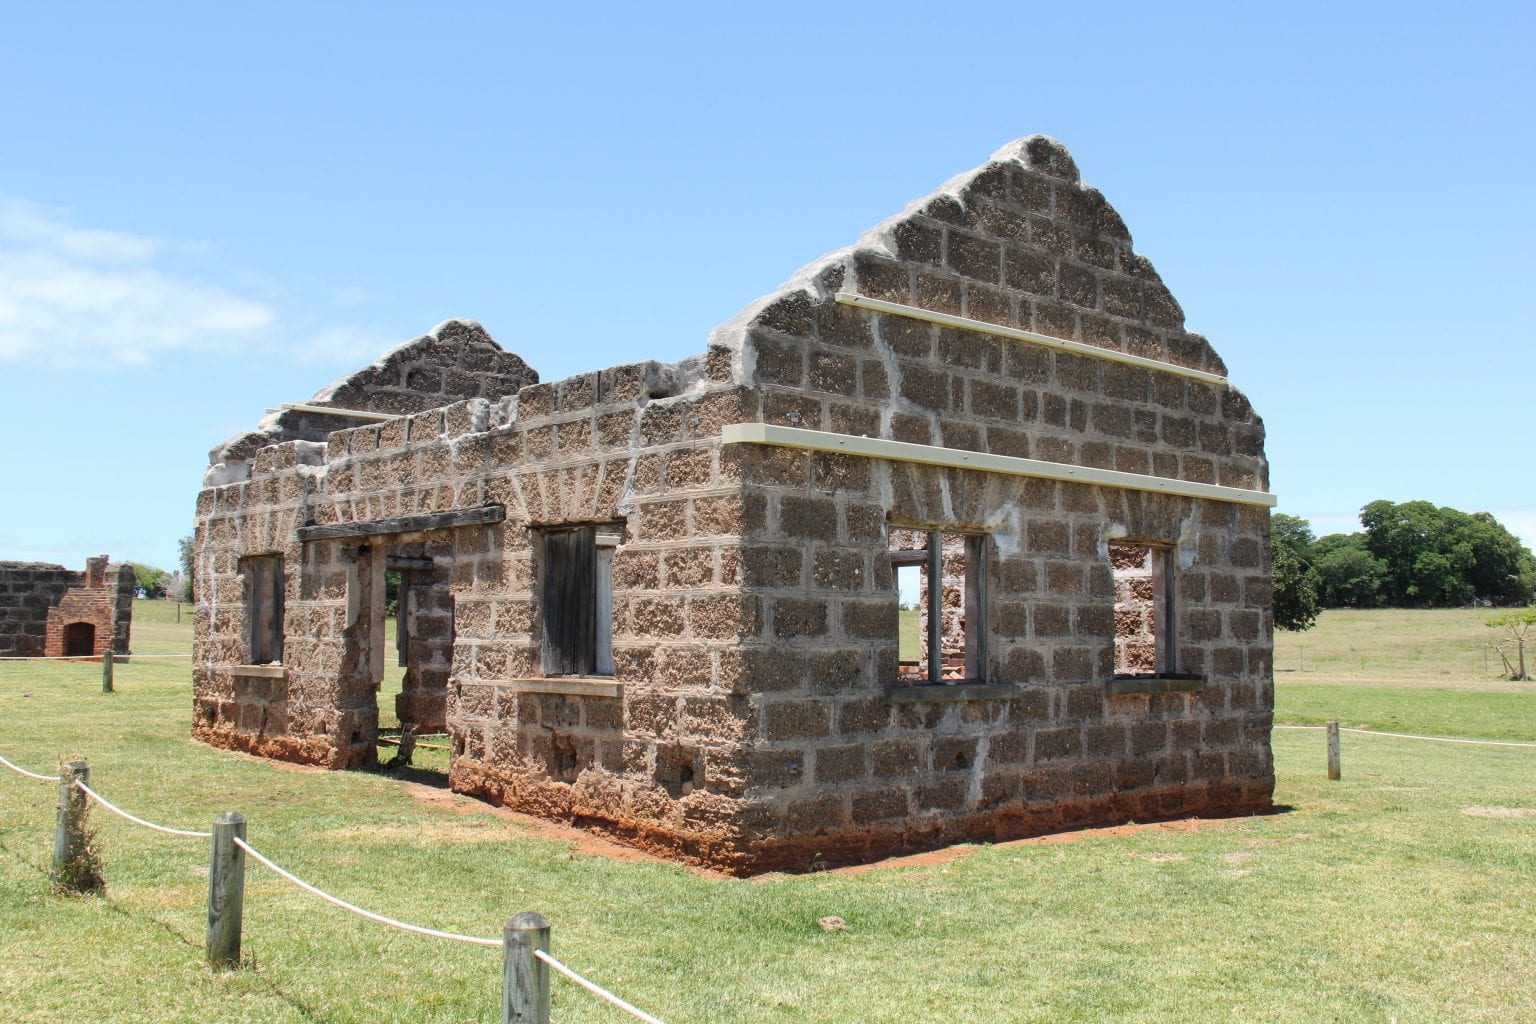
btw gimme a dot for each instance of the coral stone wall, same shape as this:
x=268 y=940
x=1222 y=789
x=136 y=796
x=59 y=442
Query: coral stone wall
x=455 y=361
x=27 y=591
x=425 y=618
x=653 y=753
x=754 y=719
x=39 y=600
x=851 y=766
x=104 y=600
x=660 y=761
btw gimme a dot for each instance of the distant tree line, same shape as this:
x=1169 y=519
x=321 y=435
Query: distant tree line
x=158 y=584
x=1407 y=555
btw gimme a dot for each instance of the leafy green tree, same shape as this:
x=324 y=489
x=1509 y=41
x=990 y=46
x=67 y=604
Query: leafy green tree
x=1293 y=532
x=1349 y=576
x=1515 y=623
x=1296 y=582
x=1441 y=556
x=1503 y=570
x=1296 y=605
x=150 y=580
x=188 y=550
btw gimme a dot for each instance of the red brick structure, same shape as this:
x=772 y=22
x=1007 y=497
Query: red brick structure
x=49 y=611
x=662 y=601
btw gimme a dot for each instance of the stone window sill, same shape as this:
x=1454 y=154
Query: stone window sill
x=273 y=671
x=928 y=693
x=1121 y=686
x=577 y=686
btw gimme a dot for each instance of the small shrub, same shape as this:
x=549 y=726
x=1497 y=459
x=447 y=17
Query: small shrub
x=81 y=874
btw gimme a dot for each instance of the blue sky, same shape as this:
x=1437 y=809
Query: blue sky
x=207 y=210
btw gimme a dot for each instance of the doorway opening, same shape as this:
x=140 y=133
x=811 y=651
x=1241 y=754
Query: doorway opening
x=400 y=655
x=79 y=640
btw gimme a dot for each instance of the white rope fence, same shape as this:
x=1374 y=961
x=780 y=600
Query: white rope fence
x=226 y=891
x=1411 y=736
x=595 y=989
x=31 y=775
x=370 y=915
x=88 y=791
x=88 y=657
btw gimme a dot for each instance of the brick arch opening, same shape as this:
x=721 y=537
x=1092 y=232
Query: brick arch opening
x=79 y=640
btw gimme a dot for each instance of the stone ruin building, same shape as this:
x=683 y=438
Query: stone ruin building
x=661 y=601
x=48 y=611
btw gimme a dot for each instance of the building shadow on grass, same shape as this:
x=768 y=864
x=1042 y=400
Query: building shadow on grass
x=410 y=773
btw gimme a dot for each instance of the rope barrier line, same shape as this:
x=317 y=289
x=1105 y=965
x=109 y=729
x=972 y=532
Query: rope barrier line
x=127 y=658
x=88 y=791
x=595 y=989
x=31 y=775
x=370 y=915
x=1411 y=736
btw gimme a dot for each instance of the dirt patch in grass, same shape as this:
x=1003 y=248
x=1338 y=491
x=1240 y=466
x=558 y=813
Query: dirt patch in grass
x=428 y=834
x=588 y=844
x=1499 y=812
x=591 y=844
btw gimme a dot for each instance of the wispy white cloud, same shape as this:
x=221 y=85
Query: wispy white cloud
x=27 y=224
x=72 y=296
x=354 y=345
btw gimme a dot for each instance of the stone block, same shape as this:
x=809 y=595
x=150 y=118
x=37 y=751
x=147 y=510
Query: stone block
x=799 y=617
x=834 y=671
x=885 y=803
x=795 y=719
x=805 y=518
x=871 y=620
x=836 y=765
x=898 y=758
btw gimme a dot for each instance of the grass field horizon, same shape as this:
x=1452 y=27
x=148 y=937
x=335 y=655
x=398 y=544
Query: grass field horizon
x=1402 y=670
x=1406 y=892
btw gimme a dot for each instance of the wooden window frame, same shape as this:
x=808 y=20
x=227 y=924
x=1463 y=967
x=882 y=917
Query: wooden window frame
x=264 y=584
x=1164 y=612
x=575 y=602
x=977 y=552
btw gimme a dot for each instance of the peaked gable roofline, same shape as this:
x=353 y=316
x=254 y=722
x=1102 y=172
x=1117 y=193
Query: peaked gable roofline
x=1030 y=192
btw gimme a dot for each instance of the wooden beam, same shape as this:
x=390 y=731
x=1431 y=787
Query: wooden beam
x=934 y=606
x=484 y=515
x=1015 y=334
x=408 y=562
x=959 y=458
x=331 y=410
x=1122 y=685
x=930 y=693
x=569 y=686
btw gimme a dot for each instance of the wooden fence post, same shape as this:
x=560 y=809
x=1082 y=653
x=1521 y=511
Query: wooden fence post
x=106 y=671
x=69 y=832
x=524 y=977
x=226 y=891
x=1334 y=768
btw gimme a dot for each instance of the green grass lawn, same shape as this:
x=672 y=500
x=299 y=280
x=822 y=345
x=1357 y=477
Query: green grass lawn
x=1402 y=671
x=909 y=625
x=1406 y=892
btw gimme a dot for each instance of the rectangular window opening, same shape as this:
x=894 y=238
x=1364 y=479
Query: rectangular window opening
x=1145 y=641
x=576 y=599
x=263 y=608
x=940 y=630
